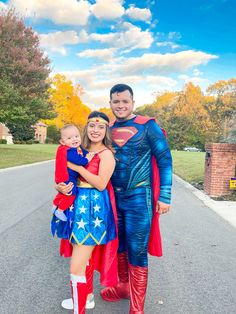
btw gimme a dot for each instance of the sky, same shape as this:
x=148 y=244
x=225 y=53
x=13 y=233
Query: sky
x=154 y=46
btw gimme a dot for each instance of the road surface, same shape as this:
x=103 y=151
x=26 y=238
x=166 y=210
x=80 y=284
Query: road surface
x=196 y=275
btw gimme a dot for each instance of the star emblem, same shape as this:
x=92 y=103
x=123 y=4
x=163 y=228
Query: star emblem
x=84 y=197
x=97 y=222
x=96 y=208
x=95 y=197
x=71 y=208
x=81 y=224
x=82 y=209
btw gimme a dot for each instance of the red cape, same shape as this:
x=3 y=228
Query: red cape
x=61 y=172
x=154 y=244
x=104 y=256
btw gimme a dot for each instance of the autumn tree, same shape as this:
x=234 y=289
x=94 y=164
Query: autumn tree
x=108 y=112
x=23 y=73
x=221 y=106
x=67 y=104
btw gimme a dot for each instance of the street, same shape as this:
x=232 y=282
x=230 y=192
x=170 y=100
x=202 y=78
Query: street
x=196 y=275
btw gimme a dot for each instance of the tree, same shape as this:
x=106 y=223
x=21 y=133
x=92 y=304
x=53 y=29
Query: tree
x=221 y=106
x=66 y=102
x=23 y=77
x=108 y=112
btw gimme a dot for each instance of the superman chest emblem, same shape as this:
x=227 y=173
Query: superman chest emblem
x=122 y=135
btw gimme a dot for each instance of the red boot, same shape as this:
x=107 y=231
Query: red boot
x=89 y=276
x=79 y=294
x=121 y=290
x=138 y=285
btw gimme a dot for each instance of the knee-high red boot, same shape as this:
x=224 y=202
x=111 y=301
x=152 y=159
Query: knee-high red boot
x=89 y=276
x=121 y=290
x=79 y=292
x=138 y=277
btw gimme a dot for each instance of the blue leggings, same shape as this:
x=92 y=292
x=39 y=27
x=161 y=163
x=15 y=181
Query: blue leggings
x=134 y=208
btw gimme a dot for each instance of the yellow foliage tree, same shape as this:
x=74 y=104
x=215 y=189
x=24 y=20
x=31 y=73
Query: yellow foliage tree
x=67 y=104
x=108 y=112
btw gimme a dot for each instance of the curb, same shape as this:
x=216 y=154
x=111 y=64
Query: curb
x=225 y=209
x=25 y=166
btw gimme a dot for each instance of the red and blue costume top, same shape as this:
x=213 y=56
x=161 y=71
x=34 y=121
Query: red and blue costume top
x=74 y=155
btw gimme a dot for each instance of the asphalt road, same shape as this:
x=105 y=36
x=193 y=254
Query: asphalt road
x=196 y=275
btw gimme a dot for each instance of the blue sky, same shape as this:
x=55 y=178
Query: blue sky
x=151 y=45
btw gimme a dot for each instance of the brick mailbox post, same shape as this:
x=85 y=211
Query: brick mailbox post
x=219 y=168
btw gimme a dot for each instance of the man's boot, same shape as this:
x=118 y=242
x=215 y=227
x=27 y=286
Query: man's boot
x=121 y=290
x=138 y=277
x=79 y=292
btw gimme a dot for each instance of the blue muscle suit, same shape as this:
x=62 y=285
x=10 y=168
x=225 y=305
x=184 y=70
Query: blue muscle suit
x=137 y=142
x=132 y=181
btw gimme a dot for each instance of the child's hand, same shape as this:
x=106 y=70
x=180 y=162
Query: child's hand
x=90 y=156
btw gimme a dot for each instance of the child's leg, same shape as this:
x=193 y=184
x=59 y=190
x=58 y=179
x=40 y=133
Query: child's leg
x=65 y=202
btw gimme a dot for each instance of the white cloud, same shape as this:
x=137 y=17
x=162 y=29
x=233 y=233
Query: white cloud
x=108 y=9
x=3 y=6
x=57 y=40
x=170 y=44
x=132 y=38
x=196 y=72
x=163 y=63
x=193 y=79
x=104 y=54
x=139 y=14
x=71 y=12
x=174 y=36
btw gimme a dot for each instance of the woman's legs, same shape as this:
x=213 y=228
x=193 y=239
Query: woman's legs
x=80 y=257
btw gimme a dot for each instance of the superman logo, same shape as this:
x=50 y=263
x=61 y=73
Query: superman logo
x=122 y=135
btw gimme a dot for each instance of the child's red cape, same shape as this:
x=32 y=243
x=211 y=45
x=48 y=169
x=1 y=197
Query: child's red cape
x=61 y=172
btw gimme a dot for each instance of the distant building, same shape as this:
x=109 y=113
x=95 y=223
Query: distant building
x=40 y=132
x=5 y=134
x=39 y=135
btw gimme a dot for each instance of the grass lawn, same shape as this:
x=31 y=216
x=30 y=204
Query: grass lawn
x=189 y=165
x=15 y=155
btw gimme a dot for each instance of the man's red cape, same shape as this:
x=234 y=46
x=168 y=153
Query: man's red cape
x=104 y=256
x=154 y=244
x=61 y=171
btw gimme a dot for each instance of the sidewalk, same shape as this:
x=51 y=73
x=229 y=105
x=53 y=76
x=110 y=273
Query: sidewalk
x=227 y=210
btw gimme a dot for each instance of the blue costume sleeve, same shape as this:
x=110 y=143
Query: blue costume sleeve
x=76 y=158
x=161 y=151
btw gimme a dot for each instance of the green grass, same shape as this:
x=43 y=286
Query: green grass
x=189 y=165
x=15 y=155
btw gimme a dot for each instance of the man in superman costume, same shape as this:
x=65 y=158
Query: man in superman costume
x=142 y=183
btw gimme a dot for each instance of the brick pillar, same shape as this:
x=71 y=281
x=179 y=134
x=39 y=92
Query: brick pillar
x=219 y=168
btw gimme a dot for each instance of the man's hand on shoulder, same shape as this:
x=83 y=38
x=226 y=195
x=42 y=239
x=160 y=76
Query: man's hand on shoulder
x=162 y=208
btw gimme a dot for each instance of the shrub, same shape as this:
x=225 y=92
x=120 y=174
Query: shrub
x=3 y=141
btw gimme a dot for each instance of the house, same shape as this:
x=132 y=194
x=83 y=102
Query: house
x=40 y=132
x=5 y=134
x=39 y=135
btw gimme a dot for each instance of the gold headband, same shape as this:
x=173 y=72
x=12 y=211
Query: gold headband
x=98 y=120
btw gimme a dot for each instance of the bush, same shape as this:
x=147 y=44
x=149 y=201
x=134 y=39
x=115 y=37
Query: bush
x=49 y=140
x=3 y=141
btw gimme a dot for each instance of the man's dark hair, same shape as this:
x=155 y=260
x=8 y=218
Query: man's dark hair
x=119 y=88
x=98 y=114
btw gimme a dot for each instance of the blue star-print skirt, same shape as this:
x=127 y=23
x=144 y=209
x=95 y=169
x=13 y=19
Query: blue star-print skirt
x=93 y=221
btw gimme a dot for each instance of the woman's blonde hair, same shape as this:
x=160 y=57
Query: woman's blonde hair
x=107 y=141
